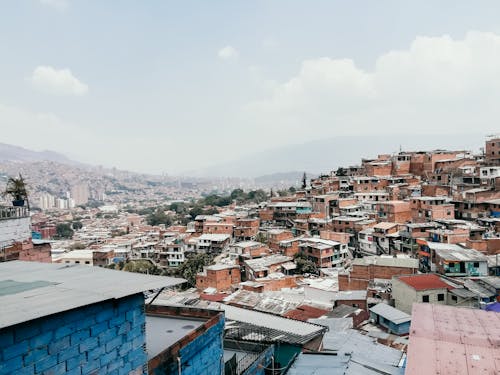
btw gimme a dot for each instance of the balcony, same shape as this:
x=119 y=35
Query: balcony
x=11 y=212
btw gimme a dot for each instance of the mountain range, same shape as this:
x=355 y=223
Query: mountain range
x=289 y=162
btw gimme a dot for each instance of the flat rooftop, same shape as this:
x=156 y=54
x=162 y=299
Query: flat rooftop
x=164 y=331
x=453 y=340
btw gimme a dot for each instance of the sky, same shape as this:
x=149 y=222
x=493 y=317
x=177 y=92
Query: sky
x=168 y=87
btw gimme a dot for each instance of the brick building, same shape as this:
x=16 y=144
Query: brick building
x=369 y=268
x=219 y=276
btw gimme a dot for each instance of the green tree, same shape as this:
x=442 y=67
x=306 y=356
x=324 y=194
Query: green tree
x=159 y=217
x=192 y=266
x=304 y=265
x=77 y=225
x=63 y=230
x=141 y=266
x=341 y=172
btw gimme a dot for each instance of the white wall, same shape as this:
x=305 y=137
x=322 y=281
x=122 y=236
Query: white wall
x=14 y=230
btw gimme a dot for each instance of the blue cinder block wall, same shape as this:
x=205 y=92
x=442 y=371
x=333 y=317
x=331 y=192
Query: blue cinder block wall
x=203 y=355
x=103 y=338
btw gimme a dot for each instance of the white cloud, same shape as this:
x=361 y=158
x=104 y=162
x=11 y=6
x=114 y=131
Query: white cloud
x=228 y=53
x=58 y=82
x=60 y=5
x=437 y=85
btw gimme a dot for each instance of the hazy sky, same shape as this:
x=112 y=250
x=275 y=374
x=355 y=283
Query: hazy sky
x=162 y=86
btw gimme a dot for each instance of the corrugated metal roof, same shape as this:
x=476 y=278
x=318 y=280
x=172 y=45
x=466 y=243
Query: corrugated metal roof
x=56 y=288
x=390 y=313
x=302 y=331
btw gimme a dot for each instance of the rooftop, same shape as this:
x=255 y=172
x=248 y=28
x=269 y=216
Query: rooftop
x=30 y=290
x=390 y=261
x=390 y=313
x=452 y=340
x=424 y=282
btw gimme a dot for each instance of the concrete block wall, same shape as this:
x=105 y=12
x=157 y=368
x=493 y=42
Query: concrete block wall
x=203 y=355
x=103 y=338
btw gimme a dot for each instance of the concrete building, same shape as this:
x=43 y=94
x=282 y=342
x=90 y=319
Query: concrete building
x=426 y=288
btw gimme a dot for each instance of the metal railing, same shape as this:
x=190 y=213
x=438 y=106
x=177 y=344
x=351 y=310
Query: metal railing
x=12 y=212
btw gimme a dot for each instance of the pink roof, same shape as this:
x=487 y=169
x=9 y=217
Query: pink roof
x=423 y=282
x=452 y=340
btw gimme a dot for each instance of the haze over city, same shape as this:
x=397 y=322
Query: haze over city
x=177 y=87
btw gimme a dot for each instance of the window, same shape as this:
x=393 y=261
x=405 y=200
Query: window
x=87 y=262
x=77 y=262
x=440 y=297
x=425 y=298
x=454 y=298
x=476 y=264
x=451 y=265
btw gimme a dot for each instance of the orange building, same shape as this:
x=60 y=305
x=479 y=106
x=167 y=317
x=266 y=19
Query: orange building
x=219 y=276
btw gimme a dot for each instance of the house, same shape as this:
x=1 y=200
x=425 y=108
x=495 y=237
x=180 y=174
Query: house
x=364 y=270
x=452 y=260
x=392 y=319
x=425 y=288
x=393 y=211
x=212 y=243
x=262 y=267
x=218 y=276
x=450 y=340
x=325 y=253
x=74 y=319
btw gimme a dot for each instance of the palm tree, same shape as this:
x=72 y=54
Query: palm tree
x=16 y=188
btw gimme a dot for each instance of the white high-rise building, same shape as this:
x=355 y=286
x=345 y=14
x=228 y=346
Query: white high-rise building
x=80 y=193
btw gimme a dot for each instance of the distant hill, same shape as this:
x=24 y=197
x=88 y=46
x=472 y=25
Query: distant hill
x=290 y=178
x=21 y=154
x=324 y=155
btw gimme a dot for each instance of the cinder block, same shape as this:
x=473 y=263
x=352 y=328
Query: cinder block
x=97 y=352
x=10 y=366
x=15 y=350
x=68 y=353
x=26 y=331
x=88 y=344
x=76 y=362
x=104 y=315
x=126 y=347
x=6 y=337
x=41 y=340
x=108 y=357
x=59 y=369
x=78 y=336
x=59 y=345
x=64 y=331
x=96 y=329
x=110 y=345
x=90 y=366
x=45 y=364
x=35 y=355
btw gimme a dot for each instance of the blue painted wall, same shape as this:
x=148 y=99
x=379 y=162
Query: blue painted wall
x=264 y=360
x=398 y=329
x=202 y=356
x=103 y=338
